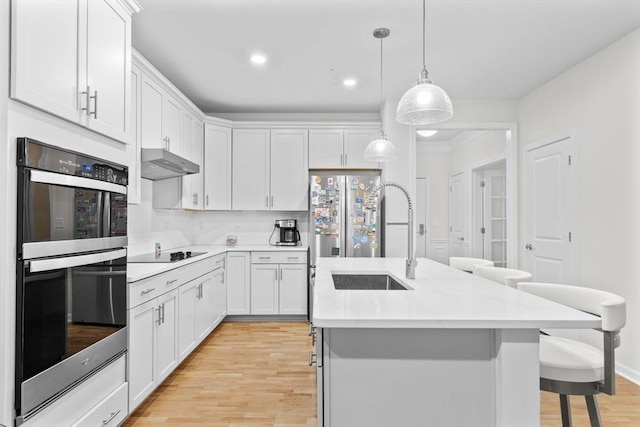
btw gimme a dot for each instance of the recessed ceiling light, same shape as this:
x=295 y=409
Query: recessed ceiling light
x=350 y=82
x=427 y=133
x=258 y=59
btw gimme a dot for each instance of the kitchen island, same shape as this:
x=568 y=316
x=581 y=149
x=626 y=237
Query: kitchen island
x=452 y=349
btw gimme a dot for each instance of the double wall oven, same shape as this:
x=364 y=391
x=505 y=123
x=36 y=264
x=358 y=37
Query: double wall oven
x=71 y=271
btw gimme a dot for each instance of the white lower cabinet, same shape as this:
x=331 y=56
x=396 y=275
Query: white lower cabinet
x=218 y=291
x=194 y=314
x=278 y=283
x=153 y=345
x=238 y=272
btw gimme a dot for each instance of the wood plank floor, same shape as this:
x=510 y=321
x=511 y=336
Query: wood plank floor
x=256 y=374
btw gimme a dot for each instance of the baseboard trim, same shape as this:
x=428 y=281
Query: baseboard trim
x=630 y=374
x=266 y=318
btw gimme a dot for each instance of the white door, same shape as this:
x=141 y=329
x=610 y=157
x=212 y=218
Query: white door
x=550 y=212
x=421 y=217
x=325 y=148
x=186 y=324
x=203 y=307
x=264 y=288
x=355 y=142
x=108 y=51
x=152 y=135
x=217 y=168
x=142 y=323
x=293 y=289
x=167 y=349
x=289 y=170
x=238 y=272
x=172 y=123
x=217 y=297
x=456 y=215
x=250 y=190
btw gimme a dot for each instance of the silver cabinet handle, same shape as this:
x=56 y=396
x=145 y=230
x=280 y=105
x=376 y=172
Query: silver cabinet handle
x=264 y=257
x=276 y=273
x=171 y=281
x=111 y=417
x=87 y=100
x=346 y=162
x=146 y=291
x=421 y=229
x=159 y=321
x=271 y=201
x=461 y=239
x=266 y=201
x=195 y=198
x=95 y=104
x=162 y=312
x=311 y=358
x=206 y=200
x=341 y=159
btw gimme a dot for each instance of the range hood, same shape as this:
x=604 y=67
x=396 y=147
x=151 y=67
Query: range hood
x=158 y=163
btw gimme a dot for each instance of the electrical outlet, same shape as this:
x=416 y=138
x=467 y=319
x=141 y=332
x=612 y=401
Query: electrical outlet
x=59 y=222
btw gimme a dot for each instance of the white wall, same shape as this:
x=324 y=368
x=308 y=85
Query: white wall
x=599 y=100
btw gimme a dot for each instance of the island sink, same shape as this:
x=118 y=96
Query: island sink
x=367 y=282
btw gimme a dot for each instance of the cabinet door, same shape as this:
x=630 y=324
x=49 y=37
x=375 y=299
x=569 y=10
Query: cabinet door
x=108 y=59
x=264 y=288
x=197 y=156
x=203 y=308
x=187 y=315
x=167 y=341
x=133 y=149
x=151 y=114
x=250 y=188
x=218 y=297
x=142 y=331
x=217 y=168
x=172 y=123
x=238 y=285
x=293 y=289
x=325 y=148
x=192 y=150
x=44 y=56
x=355 y=142
x=289 y=170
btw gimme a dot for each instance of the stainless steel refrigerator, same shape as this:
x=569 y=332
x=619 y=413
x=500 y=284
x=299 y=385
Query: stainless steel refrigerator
x=345 y=219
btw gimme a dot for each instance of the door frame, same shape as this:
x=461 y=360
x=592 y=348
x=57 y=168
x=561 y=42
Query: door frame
x=511 y=157
x=572 y=220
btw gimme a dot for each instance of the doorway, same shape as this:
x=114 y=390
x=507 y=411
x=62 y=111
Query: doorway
x=490 y=213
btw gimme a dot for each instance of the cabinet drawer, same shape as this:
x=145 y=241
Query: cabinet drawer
x=289 y=257
x=219 y=261
x=110 y=412
x=146 y=289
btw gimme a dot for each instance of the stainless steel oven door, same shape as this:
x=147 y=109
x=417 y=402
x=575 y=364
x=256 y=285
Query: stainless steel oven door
x=64 y=214
x=71 y=321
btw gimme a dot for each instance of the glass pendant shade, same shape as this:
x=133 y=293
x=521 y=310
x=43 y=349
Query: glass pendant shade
x=380 y=150
x=423 y=104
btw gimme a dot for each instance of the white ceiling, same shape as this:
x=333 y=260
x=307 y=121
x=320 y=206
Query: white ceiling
x=475 y=48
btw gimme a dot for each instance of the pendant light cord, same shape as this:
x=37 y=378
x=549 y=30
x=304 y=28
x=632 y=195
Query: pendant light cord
x=381 y=130
x=424 y=34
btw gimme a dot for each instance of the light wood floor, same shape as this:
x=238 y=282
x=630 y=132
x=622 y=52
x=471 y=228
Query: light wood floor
x=256 y=374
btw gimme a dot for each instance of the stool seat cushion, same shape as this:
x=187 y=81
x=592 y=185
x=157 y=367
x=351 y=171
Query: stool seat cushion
x=563 y=359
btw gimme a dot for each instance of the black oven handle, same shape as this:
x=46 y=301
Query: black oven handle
x=99 y=273
x=74 y=181
x=74 y=261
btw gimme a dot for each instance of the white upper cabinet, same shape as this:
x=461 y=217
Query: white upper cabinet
x=161 y=117
x=250 y=169
x=133 y=149
x=340 y=149
x=325 y=148
x=217 y=167
x=289 y=169
x=270 y=170
x=83 y=73
x=192 y=139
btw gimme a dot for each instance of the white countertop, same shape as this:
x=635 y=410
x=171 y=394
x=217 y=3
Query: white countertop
x=138 y=271
x=442 y=297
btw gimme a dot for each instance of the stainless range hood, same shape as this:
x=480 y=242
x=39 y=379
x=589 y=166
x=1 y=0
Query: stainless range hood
x=158 y=163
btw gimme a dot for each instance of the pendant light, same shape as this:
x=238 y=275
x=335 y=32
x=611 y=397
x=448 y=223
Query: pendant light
x=425 y=103
x=380 y=149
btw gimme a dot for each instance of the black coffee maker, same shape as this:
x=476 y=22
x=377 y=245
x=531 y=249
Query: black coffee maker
x=289 y=234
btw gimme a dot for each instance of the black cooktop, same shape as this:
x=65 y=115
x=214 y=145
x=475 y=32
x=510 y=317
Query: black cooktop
x=164 y=257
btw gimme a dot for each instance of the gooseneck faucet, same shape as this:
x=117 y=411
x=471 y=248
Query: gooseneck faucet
x=411 y=259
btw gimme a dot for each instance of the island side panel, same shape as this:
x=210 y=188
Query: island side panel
x=517 y=377
x=409 y=377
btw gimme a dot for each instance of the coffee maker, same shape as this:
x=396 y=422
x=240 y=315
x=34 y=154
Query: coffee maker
x=289 y=234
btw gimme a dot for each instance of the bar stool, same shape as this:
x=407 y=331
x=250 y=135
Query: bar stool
x=570 y=367
x=507 y=276
x=468 y=264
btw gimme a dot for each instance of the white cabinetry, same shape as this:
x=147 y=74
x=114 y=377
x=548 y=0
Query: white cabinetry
x=161 y=117
x=270 y=169
x=217 y=167
x=250 y=169
x=133 y=149
x=192 y=144
x=238 y=270
x=194 y=314
x=278 y=283
x=340 y=148
x=153 y=344
x=82 y=74
x=219 y=291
